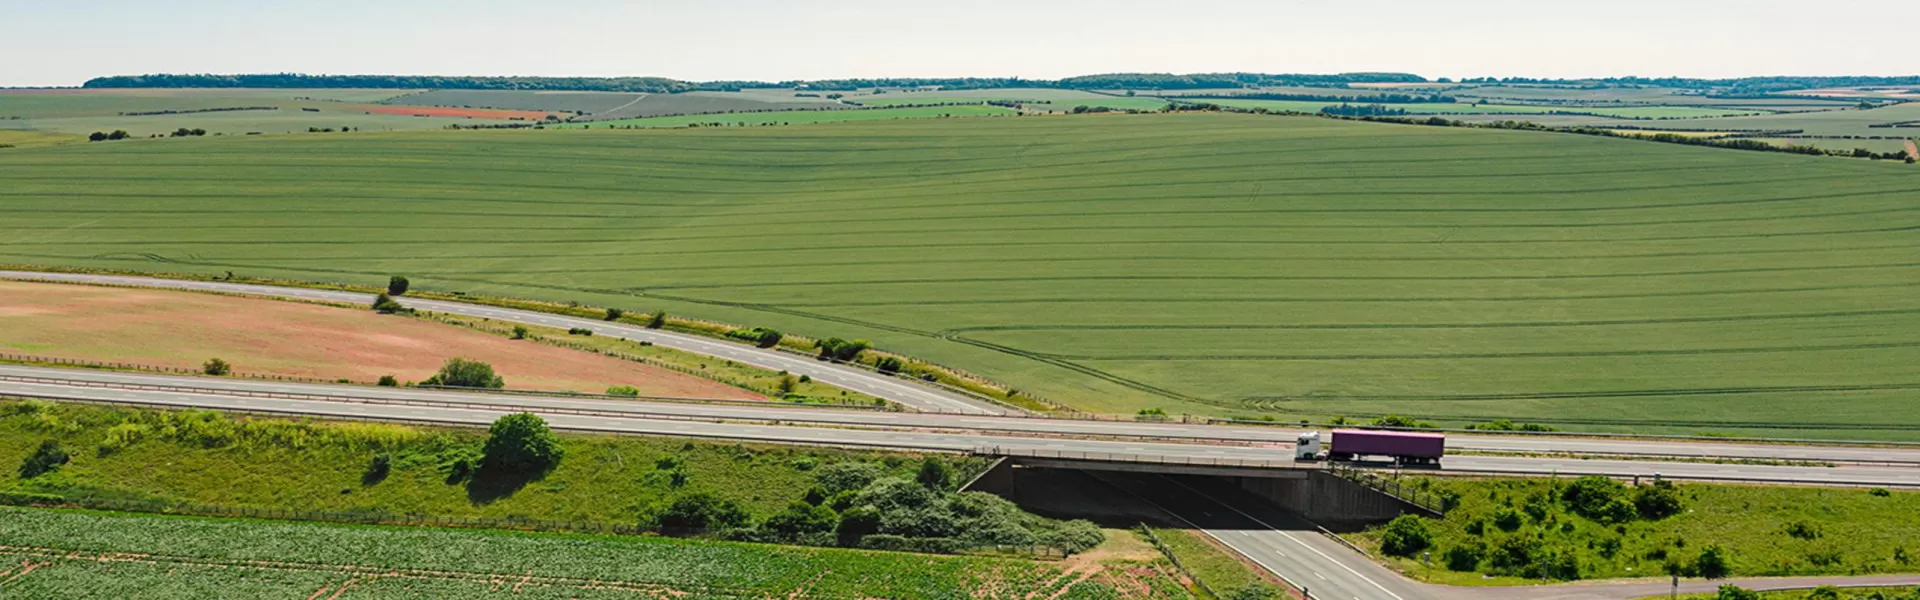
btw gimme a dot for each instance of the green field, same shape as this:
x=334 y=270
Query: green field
x=1762 y=531
x=95 y=555
x=1211 y=263
x=80 y=112
x=1467 y=108
x=793 y=117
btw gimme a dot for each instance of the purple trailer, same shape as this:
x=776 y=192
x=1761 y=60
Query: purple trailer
x=1404 y=447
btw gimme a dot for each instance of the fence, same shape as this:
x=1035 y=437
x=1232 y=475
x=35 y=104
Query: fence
x=120 y=366
x=1167 y=551
x=1134 y=458
x=1414 y=495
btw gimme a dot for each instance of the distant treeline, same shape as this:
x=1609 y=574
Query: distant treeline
x=1142 y=81
x=1379 y=98
x=195 y=110
x=1753 y=86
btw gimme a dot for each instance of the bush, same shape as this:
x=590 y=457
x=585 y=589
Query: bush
x=802 y=518
x=935 y=474
x=614 y=314
x=701 y=510
x=856 y=524
x=1599 y=498
x=759 y=336
x=889 y=365
x=460 y=372
x=1879 y=492
x=1465 y=557
x=659 y=320
x=520 y=332
x=215 y=366
x=839 y=350
x=1734 y=592
x=1254 y=591
x=847 y=476
x=1658 y=500
x=1402 y=422
x=1803 y=530
x=1405 y=535
x=1074 y=537
x=389 y=381
x=521 y=443
x=386 y=305
x=624 y=390
x=1507 y=519
x=377 y=469
x=397 y=286
x=1712 y=563
x=1151 y=414
x=580 y=331
x=45 y=459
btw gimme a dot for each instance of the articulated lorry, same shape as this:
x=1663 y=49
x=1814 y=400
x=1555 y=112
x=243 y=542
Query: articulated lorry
x=1402 y=447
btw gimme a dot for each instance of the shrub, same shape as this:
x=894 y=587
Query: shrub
x=847 y=476
x=1507 y=519
x=386 y=305
x=1402 y=422
x=701 y=510
x=397 y=286
x=857 y=523
x=1825 y=592
x=1599 y=498
x=759 y=336
x=1151 y=414
x=935 y=474
x=1734 y=592
x=889 y=365
x=802 y=518
x=1658 y=500
x=521 y=443
x=1465 y=557
x=614 y=314
x=520 y=332
x=659 y=320
x=624 y=390
x=377 y=469
x=1405 y=535
x=1074 y=537
x=839 y=350
x=460 y=372
x=45 y=459
x=1712 y=563
x=389 y=381
x=1803 y=530
x=215 y=366
x=1879 y=492
x=1253 y=591
x=787 y=384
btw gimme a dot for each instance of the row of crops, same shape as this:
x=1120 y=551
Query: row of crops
x=202 y=558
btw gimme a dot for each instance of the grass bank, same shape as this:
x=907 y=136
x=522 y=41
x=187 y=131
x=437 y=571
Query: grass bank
x=1518 y=531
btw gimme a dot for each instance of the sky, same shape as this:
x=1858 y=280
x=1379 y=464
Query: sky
x=63 y=43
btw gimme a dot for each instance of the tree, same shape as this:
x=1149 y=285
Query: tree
x=397 y=285
x=659 y=320
x=847 y=476
x=389 y=381
x=521 y=442
x=935 y=474
x=216 y=367
x=1734 y=592
x=856 y=523
x=460 y=372
x=614 y=314
x=520 y=332
x=1405 y=535
x=119 y=134
x=839 y=350
x=1599 y=498
x=386 y=305
x=889 y=365
x=97 y=137
x=1657 y=501
x=45 y=459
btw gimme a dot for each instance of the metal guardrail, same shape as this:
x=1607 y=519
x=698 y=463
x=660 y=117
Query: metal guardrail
x=1191 y=461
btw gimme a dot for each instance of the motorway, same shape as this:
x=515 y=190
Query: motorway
x=958 y=423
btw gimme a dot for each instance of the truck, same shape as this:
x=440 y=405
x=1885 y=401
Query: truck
x=1348 y=445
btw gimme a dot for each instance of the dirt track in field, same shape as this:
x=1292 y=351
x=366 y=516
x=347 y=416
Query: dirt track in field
x=1913 y=150
x=184 y=329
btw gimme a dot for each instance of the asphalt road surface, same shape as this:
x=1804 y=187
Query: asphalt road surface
x=905 y=392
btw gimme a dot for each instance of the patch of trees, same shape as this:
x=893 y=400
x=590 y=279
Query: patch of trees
x=855 y=504
x=1363 y=110
x=1741 y=87
x=195 y=110
x=839 y=350
x=1668 y=138
x=759 y=336
x=184 y=132
x=661 y=85
x=656 y=85
x=118 y=134
x=520 y=443
x=1344 y=99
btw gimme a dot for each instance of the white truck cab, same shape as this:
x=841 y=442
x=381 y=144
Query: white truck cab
x=1307 y=447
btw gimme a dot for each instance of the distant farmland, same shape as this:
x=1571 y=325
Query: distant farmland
x=1220 y=264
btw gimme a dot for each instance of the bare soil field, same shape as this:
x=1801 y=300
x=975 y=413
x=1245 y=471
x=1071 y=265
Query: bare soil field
x=445 y=111
x=184 y=329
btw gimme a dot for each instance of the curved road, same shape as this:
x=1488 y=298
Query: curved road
x=905 y=392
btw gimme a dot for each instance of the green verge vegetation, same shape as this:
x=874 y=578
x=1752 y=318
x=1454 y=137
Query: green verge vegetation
x=1197 y=263
x=76 y=554
x=1518 y=531
x=1733 y=592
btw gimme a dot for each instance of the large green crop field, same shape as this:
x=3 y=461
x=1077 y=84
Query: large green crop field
x=1212 y=263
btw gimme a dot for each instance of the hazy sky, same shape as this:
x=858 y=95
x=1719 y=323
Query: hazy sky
x=64 y=42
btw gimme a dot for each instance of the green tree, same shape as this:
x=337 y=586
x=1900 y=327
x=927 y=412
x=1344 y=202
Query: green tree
x=659 y=320
x=460 y=372
x=386 y=305
x=935 y=474
x=1658 y=500
x=1734 y=592
x=397 y=285
x=46 y=458
x=389 y=381
x=520 y=332
x=847 y=476
x=97 y=137
x=840 y=350
x=856 y=523
x=614 y=314
x=1405 y=535
x=801 y=518
x=1712 y=563
x=216 y=367
x=1599 y=498
x=521 y=443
